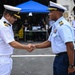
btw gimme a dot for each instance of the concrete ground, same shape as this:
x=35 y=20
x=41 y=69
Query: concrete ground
x=38 y=62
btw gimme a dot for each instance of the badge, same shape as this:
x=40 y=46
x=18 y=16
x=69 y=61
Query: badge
x=55 y=30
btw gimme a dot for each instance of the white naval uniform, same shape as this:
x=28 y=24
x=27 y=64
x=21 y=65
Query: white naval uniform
x=62 y=32
x=6 y=36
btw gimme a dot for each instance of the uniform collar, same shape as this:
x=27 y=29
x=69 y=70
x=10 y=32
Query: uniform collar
x=5 y=20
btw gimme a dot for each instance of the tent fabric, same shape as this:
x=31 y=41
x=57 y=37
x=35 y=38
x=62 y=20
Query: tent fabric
x=32 y=6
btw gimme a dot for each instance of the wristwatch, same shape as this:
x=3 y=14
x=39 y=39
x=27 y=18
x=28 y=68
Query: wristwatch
x=71 y=66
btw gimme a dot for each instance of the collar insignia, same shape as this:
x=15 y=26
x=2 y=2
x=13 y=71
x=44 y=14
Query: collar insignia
x=61 y=23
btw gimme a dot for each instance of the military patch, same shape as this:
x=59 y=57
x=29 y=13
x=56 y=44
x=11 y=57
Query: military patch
x=61 y=23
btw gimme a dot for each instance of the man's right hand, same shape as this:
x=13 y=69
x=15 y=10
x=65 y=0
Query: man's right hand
x=31 y=47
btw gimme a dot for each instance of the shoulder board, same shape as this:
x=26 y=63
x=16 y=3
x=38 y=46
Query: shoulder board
x=61 y=23
x=6 y=24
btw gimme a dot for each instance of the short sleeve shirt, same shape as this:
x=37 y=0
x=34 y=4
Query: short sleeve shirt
x=62 y=32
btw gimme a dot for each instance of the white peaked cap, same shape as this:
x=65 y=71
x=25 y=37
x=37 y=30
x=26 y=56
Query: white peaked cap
x=57 y=6
x=12 y=8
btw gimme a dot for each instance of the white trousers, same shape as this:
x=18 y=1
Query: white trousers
x=5 y=65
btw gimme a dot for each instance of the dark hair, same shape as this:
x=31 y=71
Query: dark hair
x=10 y=12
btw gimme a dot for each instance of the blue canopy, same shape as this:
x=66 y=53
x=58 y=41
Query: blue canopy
x=34 y=7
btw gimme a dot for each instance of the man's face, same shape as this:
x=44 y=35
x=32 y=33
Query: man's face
x=52 y=15
x=12 y=19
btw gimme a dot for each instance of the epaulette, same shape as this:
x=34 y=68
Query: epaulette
x=61 y=23
x=6 y=24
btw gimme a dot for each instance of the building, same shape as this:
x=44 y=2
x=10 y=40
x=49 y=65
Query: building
x=70 y=5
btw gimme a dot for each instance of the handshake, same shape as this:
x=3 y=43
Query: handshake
x=30 y=47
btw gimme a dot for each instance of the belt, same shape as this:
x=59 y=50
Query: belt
x=59 y=54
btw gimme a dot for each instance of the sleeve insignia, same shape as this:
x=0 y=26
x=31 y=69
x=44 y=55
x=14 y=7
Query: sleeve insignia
x=61 y=23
